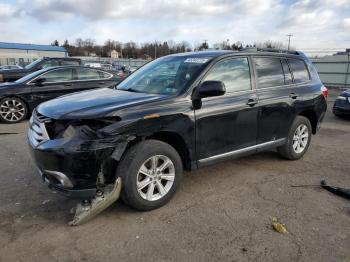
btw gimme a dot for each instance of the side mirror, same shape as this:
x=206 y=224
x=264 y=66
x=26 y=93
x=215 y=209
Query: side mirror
x=211 y=88
x=39 y=81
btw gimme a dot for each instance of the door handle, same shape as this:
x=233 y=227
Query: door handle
x=293 y=95
x=101 y=83
x=252 y=101
x=67 y=84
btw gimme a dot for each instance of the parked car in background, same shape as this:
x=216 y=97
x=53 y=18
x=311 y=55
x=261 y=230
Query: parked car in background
x=93 y=64
x=8 y=67
x=176 y=113
x=14 y=74
x=341 y=105
x=19 y=98
x=107 y=67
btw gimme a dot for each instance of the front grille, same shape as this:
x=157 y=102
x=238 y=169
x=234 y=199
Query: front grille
x=37 y=133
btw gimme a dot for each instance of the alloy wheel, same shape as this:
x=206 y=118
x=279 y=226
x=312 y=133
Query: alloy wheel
x=12 y=110
x=155 y=177
x=300 y=138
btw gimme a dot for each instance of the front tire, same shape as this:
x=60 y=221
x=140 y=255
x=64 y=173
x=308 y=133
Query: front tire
x=298 y=140
x=12 y=110
x=151 y=172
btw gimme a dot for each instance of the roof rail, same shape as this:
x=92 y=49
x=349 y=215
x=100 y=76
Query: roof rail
x=273 y=50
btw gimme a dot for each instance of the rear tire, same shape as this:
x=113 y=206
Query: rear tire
x=151 y=172
x=298 y=140
x=12 y=110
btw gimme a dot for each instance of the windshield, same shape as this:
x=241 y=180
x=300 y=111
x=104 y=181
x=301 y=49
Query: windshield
x=30 y=76
x=166 y=76
x=33 y=64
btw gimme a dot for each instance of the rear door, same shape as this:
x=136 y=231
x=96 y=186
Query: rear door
x=89 y=78
x=227 y=123
x=277 y=97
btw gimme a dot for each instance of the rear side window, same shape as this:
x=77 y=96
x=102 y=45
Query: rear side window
x=87 y=74
x=300 y=72
x=287 y=75
x=269 y=71
x=234 y=73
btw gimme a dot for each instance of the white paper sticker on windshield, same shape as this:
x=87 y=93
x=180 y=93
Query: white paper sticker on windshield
x=196 y=60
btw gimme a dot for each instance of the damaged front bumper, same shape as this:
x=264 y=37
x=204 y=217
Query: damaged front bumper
x=71 y=166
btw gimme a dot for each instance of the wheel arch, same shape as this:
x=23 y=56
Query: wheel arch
x=312 y=117
x=177 y=142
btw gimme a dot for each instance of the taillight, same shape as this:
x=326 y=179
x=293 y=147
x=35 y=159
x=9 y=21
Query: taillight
x=325 y=92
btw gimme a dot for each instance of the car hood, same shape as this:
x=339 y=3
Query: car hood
x=93 y=104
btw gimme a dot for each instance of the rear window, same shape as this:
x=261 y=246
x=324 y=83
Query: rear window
x=300 y=72
x=269 y=71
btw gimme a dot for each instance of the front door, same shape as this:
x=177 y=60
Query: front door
x=54 y=83
x=228 y=123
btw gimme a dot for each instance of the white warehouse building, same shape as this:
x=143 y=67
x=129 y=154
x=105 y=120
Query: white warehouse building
x=23 y=54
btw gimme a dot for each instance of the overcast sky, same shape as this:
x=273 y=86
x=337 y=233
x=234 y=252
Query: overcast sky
x=313 y=23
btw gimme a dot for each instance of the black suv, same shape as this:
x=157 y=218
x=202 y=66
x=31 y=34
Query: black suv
x=176 y=113
x=10 y=75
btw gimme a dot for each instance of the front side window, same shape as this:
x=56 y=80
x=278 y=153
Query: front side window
x=168 y=75
x=300 y=72
x=269 y=71
x=87 y=74
x=55 y=76
x=234 y=73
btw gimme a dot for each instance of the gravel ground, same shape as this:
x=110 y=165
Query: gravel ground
x=221 y=213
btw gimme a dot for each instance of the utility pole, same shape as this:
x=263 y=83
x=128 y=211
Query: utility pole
x=289 y=36
x=155 y=50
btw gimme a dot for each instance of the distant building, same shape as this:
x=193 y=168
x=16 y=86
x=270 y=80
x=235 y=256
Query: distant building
x=22 y=54
x=334 y=70
x=114 y=54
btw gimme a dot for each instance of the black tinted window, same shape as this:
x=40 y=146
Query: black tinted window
x=87 y=74
x=269 y=71
x=287 y=75
x=60 y=75
x=299 y=70
x=234 y=73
